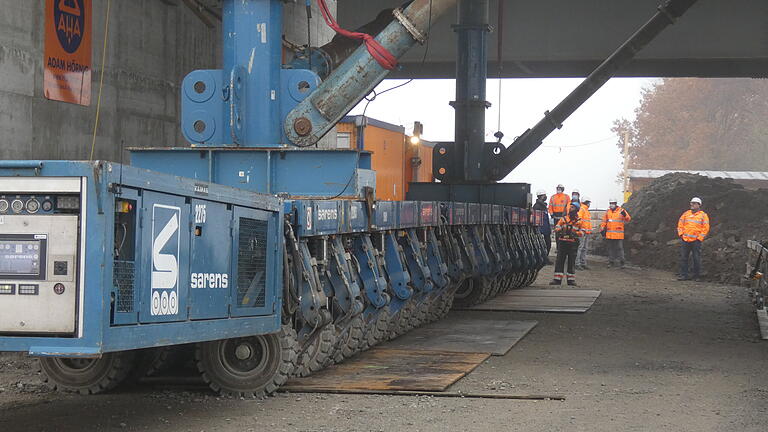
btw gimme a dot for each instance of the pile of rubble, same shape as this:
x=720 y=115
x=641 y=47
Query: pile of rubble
x=736 y=215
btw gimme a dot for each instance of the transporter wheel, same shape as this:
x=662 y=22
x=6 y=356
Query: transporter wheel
x=473 y=291
x=376 y=330
x=402 y=322
x=447 y=305
x=248 y=366
x=349 y=343
x=438 y=305
x=495 y=286
x=520 y=279
x=88 y=376
x=420 y=314
x=532 y=274
x=318 y=351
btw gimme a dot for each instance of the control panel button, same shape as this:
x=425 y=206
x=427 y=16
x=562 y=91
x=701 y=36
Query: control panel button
x=29 y=289
x=60 y=268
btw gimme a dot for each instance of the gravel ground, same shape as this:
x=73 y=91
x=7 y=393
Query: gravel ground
x=653 y=354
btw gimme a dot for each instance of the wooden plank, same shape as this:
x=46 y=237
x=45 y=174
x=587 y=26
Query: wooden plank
x=393 y=369
x=466 y=334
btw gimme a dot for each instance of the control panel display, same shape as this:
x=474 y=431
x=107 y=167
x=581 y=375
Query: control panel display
x=22 y=258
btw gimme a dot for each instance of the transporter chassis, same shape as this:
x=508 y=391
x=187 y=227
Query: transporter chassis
x=136 y=268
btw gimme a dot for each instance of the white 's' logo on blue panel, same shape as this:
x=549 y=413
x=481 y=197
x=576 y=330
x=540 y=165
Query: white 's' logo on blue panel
x=165 y=259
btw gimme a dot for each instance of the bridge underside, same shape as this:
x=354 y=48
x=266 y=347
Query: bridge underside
x=569 y=38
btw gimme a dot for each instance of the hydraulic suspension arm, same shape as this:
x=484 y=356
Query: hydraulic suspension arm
x=360 y=73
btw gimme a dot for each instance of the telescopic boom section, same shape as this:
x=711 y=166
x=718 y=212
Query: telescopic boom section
x=528 y=142
x=360 y=73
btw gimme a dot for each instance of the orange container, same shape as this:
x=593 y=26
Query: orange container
x=392 y=154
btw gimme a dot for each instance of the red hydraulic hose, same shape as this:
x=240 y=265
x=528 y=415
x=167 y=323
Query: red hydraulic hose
x=377 y=51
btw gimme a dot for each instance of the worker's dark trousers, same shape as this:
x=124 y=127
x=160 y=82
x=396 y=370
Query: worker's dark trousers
x=615 y=251
x=690 y=248
x=548 y=241
x=566 y=253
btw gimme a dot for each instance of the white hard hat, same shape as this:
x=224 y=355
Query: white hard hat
x=560 y=186
x=540 y=192
x=576 y=191
x=586 y=199
x=696 y=200
x=612 y=200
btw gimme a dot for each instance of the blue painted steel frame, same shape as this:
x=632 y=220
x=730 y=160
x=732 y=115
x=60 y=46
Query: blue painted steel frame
x=97 y=335
x=300 y=174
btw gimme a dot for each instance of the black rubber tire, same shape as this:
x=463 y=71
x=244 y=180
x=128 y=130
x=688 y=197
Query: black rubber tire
x=436 y=307
x=276 y=363
x=495 y=286
x=420 y=314
x=466 y=297
x=318 y=353
x=402 y=323
x=349 y=343
x=88 y=376
x=447 y=305
x=376 y=329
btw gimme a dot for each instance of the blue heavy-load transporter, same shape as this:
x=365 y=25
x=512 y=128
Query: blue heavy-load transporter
x=249 y=251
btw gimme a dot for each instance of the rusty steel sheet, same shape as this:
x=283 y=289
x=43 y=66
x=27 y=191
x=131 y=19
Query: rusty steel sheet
x=466 y=334
x=388 y=369
x=547 y=300
x=552 y=292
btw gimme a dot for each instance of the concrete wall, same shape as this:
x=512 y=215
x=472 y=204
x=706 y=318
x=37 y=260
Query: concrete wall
x=150 y=48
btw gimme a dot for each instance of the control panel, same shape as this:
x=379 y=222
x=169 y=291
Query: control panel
x=40 y=243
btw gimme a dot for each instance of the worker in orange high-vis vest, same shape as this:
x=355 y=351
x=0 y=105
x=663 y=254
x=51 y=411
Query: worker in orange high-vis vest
x=568 y=231
x=586 y=218
x=612 y=229
x=692 y=228
x=558 y=204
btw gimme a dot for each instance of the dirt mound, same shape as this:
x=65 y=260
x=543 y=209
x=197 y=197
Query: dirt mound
x=736 y=215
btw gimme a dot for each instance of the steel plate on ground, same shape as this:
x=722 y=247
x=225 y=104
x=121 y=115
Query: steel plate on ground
x=392 y=369
x=762 y=319
x=466 y=334
x=542 y=300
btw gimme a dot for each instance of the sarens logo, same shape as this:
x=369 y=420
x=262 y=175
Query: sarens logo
x=165 y=259
x=69 y=18
x=327 y=214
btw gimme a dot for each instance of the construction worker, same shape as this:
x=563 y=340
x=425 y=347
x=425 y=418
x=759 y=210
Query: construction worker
x=567 y=232
x=586 y=217
x=576 y=196
x=612 y=229
x=692 y=228
x=558 y=204
x=546 y=229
